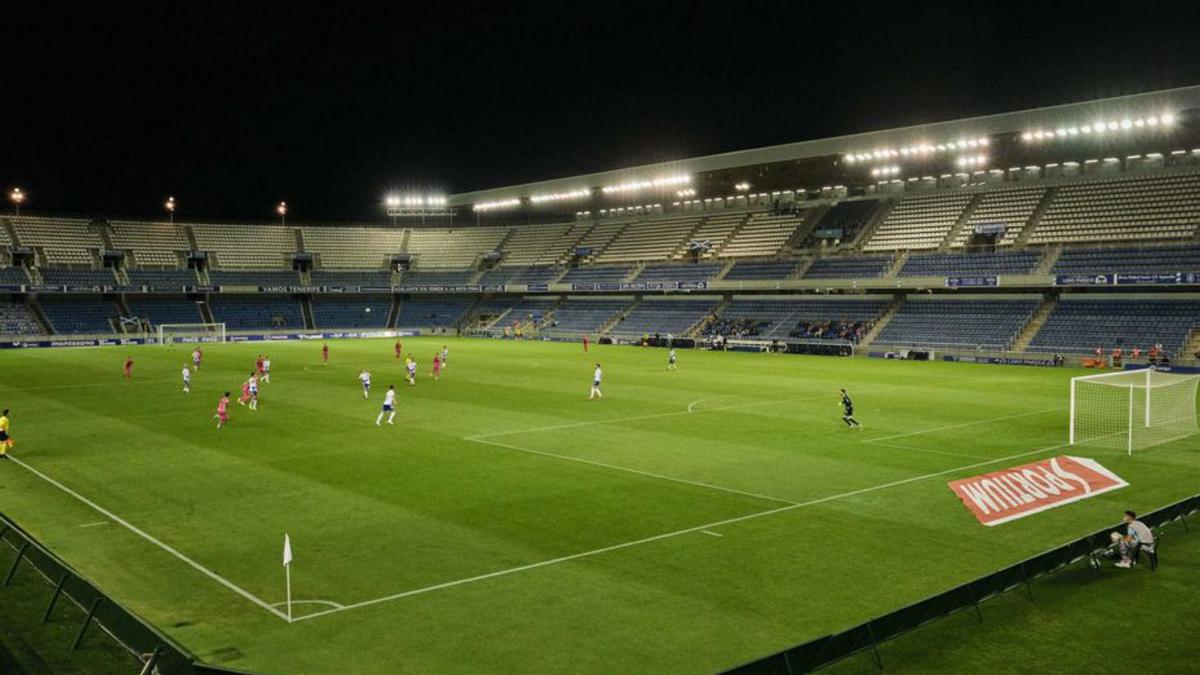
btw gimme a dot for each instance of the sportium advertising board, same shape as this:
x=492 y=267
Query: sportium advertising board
x=1006 y=495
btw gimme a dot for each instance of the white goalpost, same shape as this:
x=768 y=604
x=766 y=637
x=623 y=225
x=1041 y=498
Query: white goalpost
x=1133 y=410
x=170 y=333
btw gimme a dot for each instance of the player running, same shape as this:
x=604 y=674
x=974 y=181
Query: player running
x=596 y=376
x=445 y=356
x=187 y=380
x=848 y=412
x=245 y=392
x=258 y=365
x=266 y=376
x=399 y=350
x=671 y=360
x=222 y=415
x=325 y=354
x=389 y=406
x=197 y=355
x=365 y=378
x=253 y=391
x=128 y=368
x=437 y=367
x=411 y=364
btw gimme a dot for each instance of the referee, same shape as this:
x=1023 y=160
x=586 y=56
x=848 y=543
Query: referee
x=848 y=412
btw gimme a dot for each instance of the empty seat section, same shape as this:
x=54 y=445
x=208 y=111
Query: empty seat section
x=521 y=275
x=1123 y=209
x=590 y=275
x=247 y=246
x=381 y=279
x=17 y=318
x=162 y=278
x=656 y=239
x=347 y=248
x=437 y=278
x=772 y=270
x=673 y=317
x=159 y=310
x=13 y=276
x=436 y=248
x=79 y=314
x=847 y=216
x=351 y=311
x=158 y=244
x=63 y=241
x=433 y=311
x=256 y=312
x=253 y=278
x=78 y=277
x=764 y=234
x=849 y=267
x=598 y=237
x=678 y=273
x=584 y=316
x=918 y=222
x=716 y=231
x=540 y=244
x=1011 y=208
x=968 y=324
x=1080 y=324
x=971 y=264
x=1161 y=259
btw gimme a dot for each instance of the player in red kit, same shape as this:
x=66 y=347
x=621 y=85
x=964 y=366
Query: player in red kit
x=245 y=392
x=585 y=344
x=399 y=350
x=222 y=415
x=437 y=367
x=324 y=355
x=128 y=368
x=258 y=365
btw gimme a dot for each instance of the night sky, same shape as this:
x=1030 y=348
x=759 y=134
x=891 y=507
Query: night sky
x=232 y=107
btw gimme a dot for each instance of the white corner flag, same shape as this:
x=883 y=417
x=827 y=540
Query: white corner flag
x=287 y=566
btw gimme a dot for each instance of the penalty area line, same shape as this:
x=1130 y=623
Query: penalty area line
x=965 y=424
x=153 y=540
x=669 y=535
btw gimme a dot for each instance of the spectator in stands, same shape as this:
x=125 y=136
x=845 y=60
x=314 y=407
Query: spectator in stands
x=1059 y=360
x=1117 y=355
x=1136 y=353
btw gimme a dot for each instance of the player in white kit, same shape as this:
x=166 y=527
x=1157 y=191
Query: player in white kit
x=187 y=380
x=389 y=406
x=596 y=376
x=365 y=378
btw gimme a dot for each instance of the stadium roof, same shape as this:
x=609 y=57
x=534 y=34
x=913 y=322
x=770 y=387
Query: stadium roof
x=1157 y=102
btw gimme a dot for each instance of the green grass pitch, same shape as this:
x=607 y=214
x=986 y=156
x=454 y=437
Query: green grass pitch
x=688 y=522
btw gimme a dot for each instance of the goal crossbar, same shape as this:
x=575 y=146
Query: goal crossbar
x=168 y=333
x=1133 y=409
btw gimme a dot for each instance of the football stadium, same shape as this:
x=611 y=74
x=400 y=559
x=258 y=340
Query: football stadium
x=872 y=401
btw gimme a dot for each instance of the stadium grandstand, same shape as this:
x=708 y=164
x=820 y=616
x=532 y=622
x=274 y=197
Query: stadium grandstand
x=1056 y=230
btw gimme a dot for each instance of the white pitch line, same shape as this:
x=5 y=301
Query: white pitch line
x=964 y=425
x=692 y=405
x=97 y=523
x=335 y=605
x=670 y=535
x=626 y=469
x=150 y=538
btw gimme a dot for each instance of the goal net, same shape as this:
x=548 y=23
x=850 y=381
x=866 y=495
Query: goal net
x=170 y=333
x=1132 y=410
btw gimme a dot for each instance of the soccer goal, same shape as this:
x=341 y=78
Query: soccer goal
x=1132 y=410
x=170 y=333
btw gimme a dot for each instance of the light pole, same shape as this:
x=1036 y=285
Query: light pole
x=17 y=198
x=393 y=204
x=170 y=206
x=282 y=211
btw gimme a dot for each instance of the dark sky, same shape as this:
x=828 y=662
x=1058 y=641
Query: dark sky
x=232 y=107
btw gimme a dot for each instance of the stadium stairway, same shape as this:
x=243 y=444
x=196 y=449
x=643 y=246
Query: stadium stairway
x=724 y=270
x=12 y=234
x=897 y=265
x=206 y=313
x=867 y=231
x=393 y=312
x=795 y=242
x=963 y=219
x=685 y=245
x=306 y=310
x=42 y=319
x=802 y=267
x=1031 y=328
x=1036 y=218
x=1049 y=257
x=733 y=234
x=612 y=323
x=191 y=237
x=884 y=319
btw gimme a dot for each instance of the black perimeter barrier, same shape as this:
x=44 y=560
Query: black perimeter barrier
x=830 y=649
x=157 y=653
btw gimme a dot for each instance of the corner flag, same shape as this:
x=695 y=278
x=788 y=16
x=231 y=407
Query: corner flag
x=287 y=566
